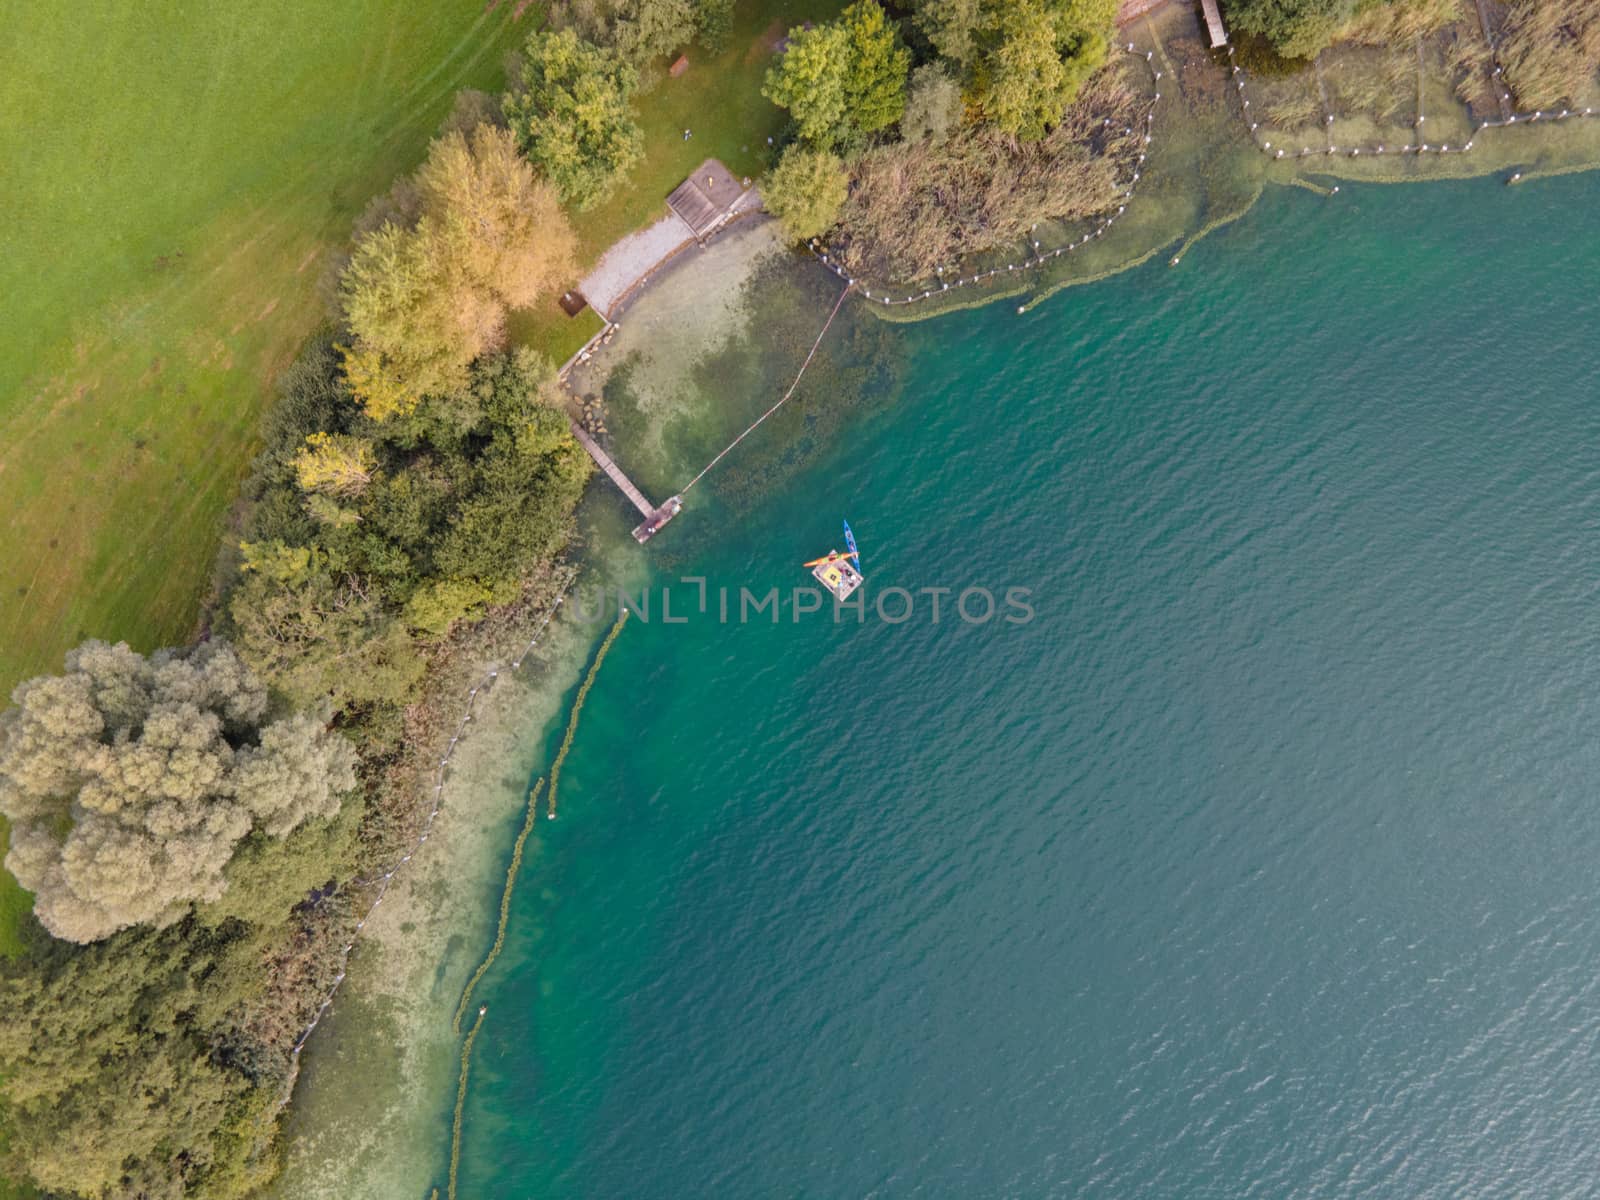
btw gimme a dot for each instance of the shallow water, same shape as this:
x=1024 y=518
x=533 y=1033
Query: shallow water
x=1260 y=862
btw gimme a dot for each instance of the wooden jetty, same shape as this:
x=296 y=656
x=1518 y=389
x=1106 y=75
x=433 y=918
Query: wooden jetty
x=654 y=517
x=1214 y=26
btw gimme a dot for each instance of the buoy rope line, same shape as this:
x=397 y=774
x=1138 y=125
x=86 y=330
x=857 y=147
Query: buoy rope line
x=505 y=895
x=484 y=683
x=1040 y=255
x=505 y=905
x=1420 y=147
x=728 y=449
x=461 y=1102
x=577 y=709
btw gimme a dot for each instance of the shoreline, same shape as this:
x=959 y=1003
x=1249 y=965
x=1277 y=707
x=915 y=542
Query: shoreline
x=427 y=939
x=1203 y=144
x=371 y=1111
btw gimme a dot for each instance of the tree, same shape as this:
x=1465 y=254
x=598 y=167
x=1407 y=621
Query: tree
x=842 y=79
x=1296 y=28
x=806 y=190
x=714 y=19
x=335 y=465
x=875 y=81
x=321 y=639
x=498 y=228
x=1022 y=82
x=647 y=29
x=129 y=782
x=953 y=27
x=1021 y=61
x=410 y=339
x=424 y=299
x=570 y=108
x=933 y=106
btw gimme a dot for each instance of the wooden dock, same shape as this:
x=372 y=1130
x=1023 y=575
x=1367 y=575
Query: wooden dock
x=1214 y=26
x=654 y=516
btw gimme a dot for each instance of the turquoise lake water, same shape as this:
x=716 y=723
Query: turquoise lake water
x=1261 y=862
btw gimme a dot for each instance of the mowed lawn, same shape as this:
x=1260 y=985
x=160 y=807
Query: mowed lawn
x=177 y=178
x=179 y=181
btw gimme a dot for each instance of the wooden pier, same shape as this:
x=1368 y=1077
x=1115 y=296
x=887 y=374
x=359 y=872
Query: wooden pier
x=1214 y=26
x=654 y=517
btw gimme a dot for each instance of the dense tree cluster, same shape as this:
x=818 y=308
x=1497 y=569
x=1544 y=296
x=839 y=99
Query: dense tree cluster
x=473 y=234
x=936 y=119
x=368 y=539
x=641 y=30
x=1021 y=61
x=129 y=781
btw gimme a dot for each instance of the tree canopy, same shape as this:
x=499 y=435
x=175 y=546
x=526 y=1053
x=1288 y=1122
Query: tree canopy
x=842 y=79
x=570 y=107
x=369 y=538
x=1022 y=61
x=129 y=781
x=806 y=190
x=478 y=233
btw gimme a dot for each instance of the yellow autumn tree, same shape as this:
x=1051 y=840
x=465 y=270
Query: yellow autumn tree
x=334 y=465
x=424 y=300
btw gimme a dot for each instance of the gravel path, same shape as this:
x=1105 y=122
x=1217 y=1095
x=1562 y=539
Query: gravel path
x=629 y=260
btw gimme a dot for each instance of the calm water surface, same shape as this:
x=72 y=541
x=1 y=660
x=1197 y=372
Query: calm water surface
x=1262 y=862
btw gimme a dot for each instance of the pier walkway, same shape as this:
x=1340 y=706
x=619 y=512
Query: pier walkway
x=654 y=517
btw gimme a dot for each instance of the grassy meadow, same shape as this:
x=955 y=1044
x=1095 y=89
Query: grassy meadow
x=177 y=179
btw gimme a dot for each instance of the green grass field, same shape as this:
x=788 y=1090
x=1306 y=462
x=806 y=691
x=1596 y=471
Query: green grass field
x=179 y=180
x=178 y=177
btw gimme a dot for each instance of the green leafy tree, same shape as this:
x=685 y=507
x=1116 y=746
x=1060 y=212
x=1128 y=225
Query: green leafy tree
x=842 y=79
x=714 y=19
x=334 y=465
x=647 y=29
x=570 y=108
x=1021 y=61
x=322 y=639
x=129 y=781
x=806 y=190
x=1296 y=28
x=955 y=28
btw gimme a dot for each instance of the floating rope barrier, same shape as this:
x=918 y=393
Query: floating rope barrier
x=1040 y=255
x=382 y=881
x=1419 y=147
x=505 y=905
x=461 y=1101
x=726 y=450
x=577 y=709
x=505 y=897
